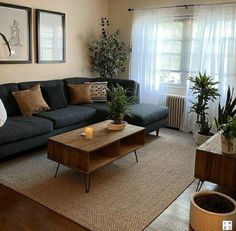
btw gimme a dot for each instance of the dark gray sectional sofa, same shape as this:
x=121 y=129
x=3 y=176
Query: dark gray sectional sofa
x=21 y=133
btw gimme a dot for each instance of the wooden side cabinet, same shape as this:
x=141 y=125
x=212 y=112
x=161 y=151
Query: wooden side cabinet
x=214 y=166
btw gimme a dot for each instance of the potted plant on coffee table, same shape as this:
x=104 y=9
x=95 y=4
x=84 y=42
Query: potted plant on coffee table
x=118 y=106
x=204 y=90
x=228 y=136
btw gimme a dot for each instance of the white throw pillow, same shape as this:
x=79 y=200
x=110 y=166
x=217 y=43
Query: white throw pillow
x=3 y=114
x=98 y=91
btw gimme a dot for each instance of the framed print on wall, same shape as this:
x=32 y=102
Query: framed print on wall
x=15 y=26
x=50 y=36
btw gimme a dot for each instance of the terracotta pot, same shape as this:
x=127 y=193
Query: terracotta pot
x=228 y=147
x=116 y=127
x=204 y=220
x=200 y=139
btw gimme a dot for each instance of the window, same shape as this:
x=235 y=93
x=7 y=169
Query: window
x=174 y=51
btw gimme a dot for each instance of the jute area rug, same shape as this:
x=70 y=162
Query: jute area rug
x=124 y=195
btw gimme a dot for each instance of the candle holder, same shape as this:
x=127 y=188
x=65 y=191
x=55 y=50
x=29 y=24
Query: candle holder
x=88 y=132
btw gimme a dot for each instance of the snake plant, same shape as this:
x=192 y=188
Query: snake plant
x=228 y=110
x=7 y=43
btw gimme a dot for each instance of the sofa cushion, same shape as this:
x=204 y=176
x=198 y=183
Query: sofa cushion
x=101 y=110
x=8 y=99
x=144 y=114
x=68 y=115
x=19 y=128
x=54 y=96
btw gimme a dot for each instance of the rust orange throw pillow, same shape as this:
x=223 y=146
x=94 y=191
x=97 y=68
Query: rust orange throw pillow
x=80 y=93
x=30 y=101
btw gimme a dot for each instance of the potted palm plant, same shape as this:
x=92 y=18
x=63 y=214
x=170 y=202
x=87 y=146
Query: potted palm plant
x=204 y=90
x=118 y=106
x=7 y=43
x=228 y=136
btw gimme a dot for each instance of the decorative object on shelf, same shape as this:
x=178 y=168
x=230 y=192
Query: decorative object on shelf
x=108 y=53
x=226 y=112
x=228 y=136
x=15 y=27
x=119 y=106
x=210 y=209
x=6 y=42
x=53 y=22
x=88 y=132
x=3 y=114
x=205 y=91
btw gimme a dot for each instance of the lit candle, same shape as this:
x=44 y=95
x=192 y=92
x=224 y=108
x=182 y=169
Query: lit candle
x=88 y=132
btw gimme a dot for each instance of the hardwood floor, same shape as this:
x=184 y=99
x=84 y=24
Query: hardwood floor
x=19 y=213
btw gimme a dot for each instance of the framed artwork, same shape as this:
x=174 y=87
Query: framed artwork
x=15 y=27
x=50 y=36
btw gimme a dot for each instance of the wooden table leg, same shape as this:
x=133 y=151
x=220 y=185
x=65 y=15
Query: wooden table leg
x=87 y=178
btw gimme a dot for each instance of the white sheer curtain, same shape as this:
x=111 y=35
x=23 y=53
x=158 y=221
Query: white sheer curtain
x=147 y=40
x=213 y=50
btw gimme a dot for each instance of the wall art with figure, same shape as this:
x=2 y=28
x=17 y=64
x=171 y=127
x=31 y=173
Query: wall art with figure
x=15 y=26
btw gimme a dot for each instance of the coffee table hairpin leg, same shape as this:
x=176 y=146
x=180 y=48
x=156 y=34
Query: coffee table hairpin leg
x=135 y=153
x=199 y=185
x=58 y=165
x=87 y=178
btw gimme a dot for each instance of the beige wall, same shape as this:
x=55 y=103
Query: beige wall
x=121 y=18
x=82 y=20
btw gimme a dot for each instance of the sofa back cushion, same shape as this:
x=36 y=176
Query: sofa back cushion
x=57 y=82
x=54 y=96
x=8 y=99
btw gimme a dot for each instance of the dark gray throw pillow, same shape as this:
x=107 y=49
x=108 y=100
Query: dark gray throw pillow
x=54 y=96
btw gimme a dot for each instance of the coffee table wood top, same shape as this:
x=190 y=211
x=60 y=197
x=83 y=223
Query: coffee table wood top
x=101 y=137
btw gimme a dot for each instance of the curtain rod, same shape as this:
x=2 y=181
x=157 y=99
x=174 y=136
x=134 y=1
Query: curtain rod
x=185 y=6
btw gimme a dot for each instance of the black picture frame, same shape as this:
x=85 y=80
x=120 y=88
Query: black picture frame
x=40 y=58
x=20 y=41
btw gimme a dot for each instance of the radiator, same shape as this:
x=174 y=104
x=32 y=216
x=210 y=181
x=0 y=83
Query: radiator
x=175 y=103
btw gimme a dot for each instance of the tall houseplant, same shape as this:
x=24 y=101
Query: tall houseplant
x=204 y=90
x=119 y=106
x=7 y=43
x=108 y=54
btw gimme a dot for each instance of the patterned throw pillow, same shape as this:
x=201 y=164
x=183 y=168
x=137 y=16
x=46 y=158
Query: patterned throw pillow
x=99 y=91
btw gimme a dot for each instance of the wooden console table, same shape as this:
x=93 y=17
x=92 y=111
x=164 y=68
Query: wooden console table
x=214 y=166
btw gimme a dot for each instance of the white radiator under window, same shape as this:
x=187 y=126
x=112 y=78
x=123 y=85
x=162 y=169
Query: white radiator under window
x=175 y=103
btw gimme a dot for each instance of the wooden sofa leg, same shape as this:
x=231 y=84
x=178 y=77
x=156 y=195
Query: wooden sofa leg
x=157 y=132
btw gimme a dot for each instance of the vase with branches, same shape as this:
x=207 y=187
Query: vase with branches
x=108 y=54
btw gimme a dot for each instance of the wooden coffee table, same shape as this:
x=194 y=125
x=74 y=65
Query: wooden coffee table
x=213 y=165
x=73 y=150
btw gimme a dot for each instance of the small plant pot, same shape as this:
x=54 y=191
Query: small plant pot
x=209 y=209
x=116 y=127
x=200 y=139
x=228 y=147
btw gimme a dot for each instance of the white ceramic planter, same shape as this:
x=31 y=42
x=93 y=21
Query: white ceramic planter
x=3 y=114
x=203 y=220
x=116 y=127
x=200 y=139
x=195 y=128
x=228 y=148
